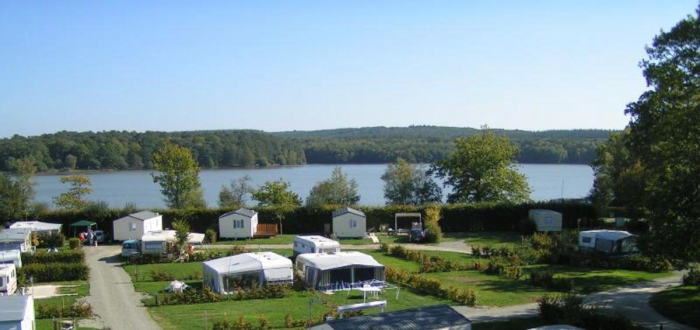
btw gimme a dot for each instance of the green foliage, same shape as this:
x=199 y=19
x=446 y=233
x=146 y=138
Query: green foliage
x=527 y=226
x=428 y=264
x=178 y=176
x=159 y=275
x=73 y=199
x=509 y=266
x=236 y=194
x=50 y=241
x=17 y=191
x=182 y=230
x=693 y=276
x=337 y=190
x=54 y=272
x=74 y=243
x=206 y=295
x=408 y=184
x=430 y=286
x=277 y=195
x=42 y=257
x=481 y=170
x=433 y=232
x=78 y=309
x=211 y=235
x=569 y=309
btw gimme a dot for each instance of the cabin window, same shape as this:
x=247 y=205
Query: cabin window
x=353 y=223
x=296 y=244
x=2 y=281
x=132 y=226
x=237 y=224
x=586 y=240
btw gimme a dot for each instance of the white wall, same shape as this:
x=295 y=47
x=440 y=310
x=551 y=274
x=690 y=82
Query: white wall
x=547 y=220
x=226 y=229
x=122 y=228
x=341 y=226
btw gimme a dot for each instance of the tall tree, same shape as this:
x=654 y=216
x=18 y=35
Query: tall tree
x=178 y=176
x=336 y=190
x=17 y=189
x=278 y=195
x=481 y=170
x=74 y=198
x=236 y=194
x=664 y=131
x=408 y=184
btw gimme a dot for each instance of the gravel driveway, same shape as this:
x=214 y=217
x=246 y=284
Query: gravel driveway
x=112 y=294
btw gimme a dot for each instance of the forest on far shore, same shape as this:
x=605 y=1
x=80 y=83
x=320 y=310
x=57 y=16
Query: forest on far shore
x=117 y=150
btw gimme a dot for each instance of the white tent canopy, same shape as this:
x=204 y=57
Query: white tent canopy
x=268 y=267
x=171 y=236
x=38 y=226
x=338 y=260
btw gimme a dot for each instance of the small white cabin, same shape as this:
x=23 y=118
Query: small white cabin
x=241 y=223
x=340 y=271
x=349 y=223
x=17 y=312
x=546 y=220
x=134 y=226
x=608 y=241
x=314 y=244
x=159 y=242
x=8 y=279
x=225 y=275
x=11 y=257
x=39 y=227
x=16 y=239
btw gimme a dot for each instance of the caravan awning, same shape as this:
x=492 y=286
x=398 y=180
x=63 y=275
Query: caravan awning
x=324 y=261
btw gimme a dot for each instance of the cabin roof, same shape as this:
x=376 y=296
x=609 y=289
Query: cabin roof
x=346 y=210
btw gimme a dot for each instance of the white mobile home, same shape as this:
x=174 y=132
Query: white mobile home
x=135 y=225
x=39 y=227
x=16 y=239
x=158 y=242
x=608 y=241
x=241 y=223
x=247 y=270
x=8 y=279
x=314 y=244
x=340 y=271
x=17 y=312
x=11 y=257
x=349 y=223
x=546 y=220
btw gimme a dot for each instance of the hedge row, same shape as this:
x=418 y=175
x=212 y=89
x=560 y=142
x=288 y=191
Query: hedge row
x=41 y=257
x=455 y=217
x=55 y=272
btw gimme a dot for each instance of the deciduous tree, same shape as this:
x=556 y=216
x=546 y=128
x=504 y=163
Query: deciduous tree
x=178 y=176
x=336 y=190
x=73 y=199
x=236 y=194
x=408 y=184
x=277 y=194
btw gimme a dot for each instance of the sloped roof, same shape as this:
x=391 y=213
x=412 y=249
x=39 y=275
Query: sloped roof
x=422 y=318
x=144 y=215
x=36 y=225
x=83 y=223
x=244 y=212
x=346 y=210
x=324 y=261
x=247 y=262
x=12 y=308
x=14 y=234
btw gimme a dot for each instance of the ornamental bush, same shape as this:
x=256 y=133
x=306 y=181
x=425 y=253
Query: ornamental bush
x=77 y=309
x=42 y=257
x=51 y=240
x=54 y=272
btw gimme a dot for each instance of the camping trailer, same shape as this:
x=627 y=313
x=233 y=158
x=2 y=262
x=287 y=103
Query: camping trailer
x=241 y=223
x=546 y=220
x=159 y=242
x=16 y=239
x=349 y=223
x=340 y=271
x=11 y=257
x=8 y=279
x=608 y=241
x=17 y=312
x=39 y=227
x=135 y=225
x=314 y=244
x=225 y=275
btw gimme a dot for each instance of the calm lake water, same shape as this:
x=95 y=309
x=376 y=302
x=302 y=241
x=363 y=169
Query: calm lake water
x=118 y=188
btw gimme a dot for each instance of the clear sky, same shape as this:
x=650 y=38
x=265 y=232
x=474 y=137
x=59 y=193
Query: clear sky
x=285 y=65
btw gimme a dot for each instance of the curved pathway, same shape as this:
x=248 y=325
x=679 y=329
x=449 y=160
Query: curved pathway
x=629 y=301
x=112 y=294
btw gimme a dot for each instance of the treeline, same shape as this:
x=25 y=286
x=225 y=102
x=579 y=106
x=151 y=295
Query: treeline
x=426 y=144
x=131 y=150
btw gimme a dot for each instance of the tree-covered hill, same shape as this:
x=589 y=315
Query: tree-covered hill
x=430 y=143
x=247 y=148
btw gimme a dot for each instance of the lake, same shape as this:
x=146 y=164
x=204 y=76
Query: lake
x=120 y=187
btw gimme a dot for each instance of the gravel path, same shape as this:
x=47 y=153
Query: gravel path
x=630 y=301
x=112 y=294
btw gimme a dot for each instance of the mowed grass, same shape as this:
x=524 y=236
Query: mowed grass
x=297 y=305
x=484 y=238
x=82 y=289
x=680 y=304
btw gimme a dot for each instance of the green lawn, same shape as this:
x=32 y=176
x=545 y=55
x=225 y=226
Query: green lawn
x=482 y=238
x=680 y=304
x=355 y=241
x=82 y=290
x=453 y=256
x=297 y=305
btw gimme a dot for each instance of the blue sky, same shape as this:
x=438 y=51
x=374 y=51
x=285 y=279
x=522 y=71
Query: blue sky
x=285 y=65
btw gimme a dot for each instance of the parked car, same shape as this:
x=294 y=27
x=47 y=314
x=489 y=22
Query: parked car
x=100 y=236
x=416 y=236
x=130 y=247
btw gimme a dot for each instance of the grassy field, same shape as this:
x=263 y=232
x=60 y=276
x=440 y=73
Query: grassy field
x=680 y=304
x=48 y=325
x=482 y=238
x=82 y=290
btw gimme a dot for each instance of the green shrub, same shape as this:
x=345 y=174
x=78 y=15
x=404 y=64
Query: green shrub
x=692 y=277
x=569 y=309
x=433 y=233
x=509 y=267
x=74 y=243
x=78 y=309
x=526 y=226
x=211 y=235
x=42 y=257
x=54 y=272
x=430 y=286
x=206 y=295
x=384 y=247
x=158 y=275
x=542 y=277
x=51 y=240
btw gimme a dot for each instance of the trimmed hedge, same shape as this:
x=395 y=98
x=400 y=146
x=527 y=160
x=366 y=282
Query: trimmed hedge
x=455 y=217
x=42 y=257
x=55 y=272
x=78 y=309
